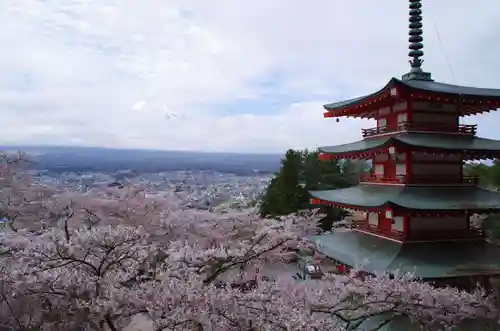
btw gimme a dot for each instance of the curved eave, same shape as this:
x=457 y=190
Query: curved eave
x=472 y=100
x=449 y=89
x=471 y=148
x=412 y=198
x=366 y=147
x=428 y=260
x=358 y=197
x=364 y=106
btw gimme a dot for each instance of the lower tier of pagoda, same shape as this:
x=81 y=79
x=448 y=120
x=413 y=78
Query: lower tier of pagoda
x=414 y=213
x=426 y=260
x=469 y=147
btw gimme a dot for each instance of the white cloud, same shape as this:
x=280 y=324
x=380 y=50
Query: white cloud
x=139 y=104
x=71 y=69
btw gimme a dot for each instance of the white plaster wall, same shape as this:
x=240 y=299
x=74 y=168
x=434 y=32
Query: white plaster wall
x=373 y=219
x=379 y=170
x=400 y=169
x=403 y=117
x=397 y=223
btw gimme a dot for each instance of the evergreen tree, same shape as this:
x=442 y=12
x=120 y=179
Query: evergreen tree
x=285 y=195
x=494 y=174
x=489 y=175
x=327 y=175
x=302 y=171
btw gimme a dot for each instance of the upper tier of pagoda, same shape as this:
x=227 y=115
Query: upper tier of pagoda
x=417 y=85
x=469 y=100
x=416 y=114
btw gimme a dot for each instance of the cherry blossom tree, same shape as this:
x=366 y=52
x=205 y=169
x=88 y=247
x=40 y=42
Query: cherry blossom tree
x=105 y=256
x=20 y=196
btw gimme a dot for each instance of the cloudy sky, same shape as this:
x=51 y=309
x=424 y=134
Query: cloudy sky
x=222 y=75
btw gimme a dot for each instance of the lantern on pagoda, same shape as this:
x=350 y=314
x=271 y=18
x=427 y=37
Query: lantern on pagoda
x=392 y=152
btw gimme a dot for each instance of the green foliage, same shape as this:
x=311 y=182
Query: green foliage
x=491 y=225
x=285 y=195
x=489 y=175
x=302 y=171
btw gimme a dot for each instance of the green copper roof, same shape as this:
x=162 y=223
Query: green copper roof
x=448 y=142
x=352 y=101
x=423 y=85
x=414 y=197
x=432 y=86
x=428 y=141
x=358 y=146
x=430 y=260
x=343 y=103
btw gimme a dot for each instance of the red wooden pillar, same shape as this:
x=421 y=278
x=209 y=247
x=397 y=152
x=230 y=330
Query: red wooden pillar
x=408 y=159
x=406 y=226
x=392 y=120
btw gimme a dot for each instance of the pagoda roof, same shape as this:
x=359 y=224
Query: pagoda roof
x=418 y=198
x=427 y=260
x=432 y=86
x=473 y=100
x=432 y=142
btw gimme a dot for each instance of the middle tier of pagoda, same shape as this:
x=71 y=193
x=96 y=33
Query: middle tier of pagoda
x=468 y=147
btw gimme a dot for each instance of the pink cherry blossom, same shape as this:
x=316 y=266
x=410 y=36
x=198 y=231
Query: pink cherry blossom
x=97 y=259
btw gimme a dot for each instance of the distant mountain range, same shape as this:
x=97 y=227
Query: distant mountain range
x=82 y=159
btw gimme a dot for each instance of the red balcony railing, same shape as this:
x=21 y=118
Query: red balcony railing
x=422 y=235
x=444 y=234
x=462 y=129
x=365 y=226
x=442 y=179
x=371 y=178
x=420 y=179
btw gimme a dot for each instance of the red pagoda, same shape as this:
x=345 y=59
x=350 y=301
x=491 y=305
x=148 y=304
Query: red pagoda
x=417 y=201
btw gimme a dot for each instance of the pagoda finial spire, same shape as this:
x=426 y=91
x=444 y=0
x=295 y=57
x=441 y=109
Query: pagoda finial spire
x=415 y=39
x=415 y=34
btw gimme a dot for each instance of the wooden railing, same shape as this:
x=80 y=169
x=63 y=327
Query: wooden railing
x=420 y=179
x=421 y=235
x=365 y=226
x=444 y=234
x=442 y=179
x=371 y=178
x=461 y=129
